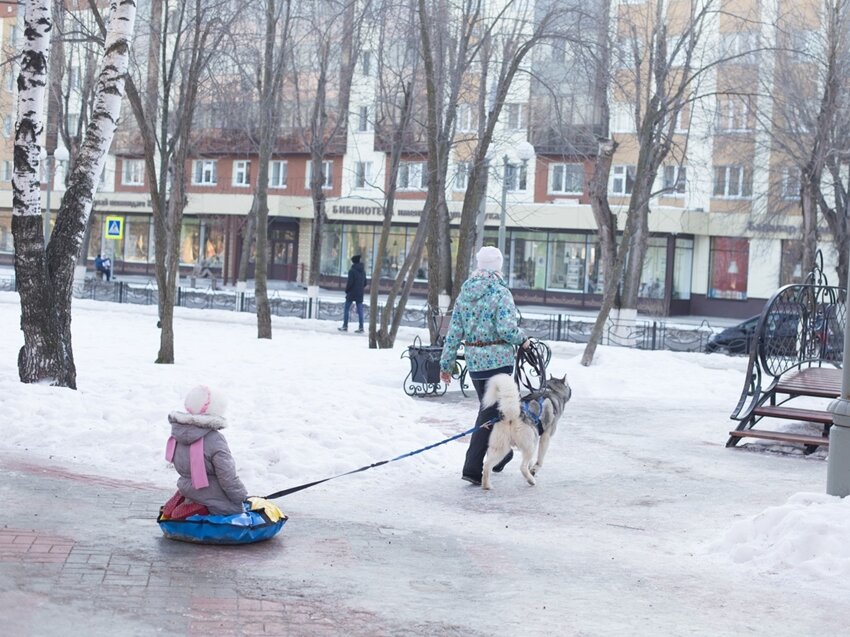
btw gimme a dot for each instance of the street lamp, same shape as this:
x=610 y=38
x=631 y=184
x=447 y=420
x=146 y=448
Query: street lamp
x=838 y=461
x=61 y=154
x=523 y=151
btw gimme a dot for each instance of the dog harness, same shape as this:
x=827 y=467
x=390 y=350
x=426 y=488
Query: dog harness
x=536 y=418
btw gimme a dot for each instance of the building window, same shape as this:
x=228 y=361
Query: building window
x=515 y=116
x=791 y=262
x=653 y=276
x=278 y=170
x=205 y=172
x=566 y=179
x=10 y=81
x=133 y=172
x=461 y=175
x=362 y=173
x=622 y=118
x=804 y=45
x=683 y=265
x=733 y=182
x=6 y=171
x=72 y=120
x=729 y=265
x=516 y=177
x=675 y=179
x=622 y=180
x=242 y=173
x=791 y=182
x=366 y=63
x=412 y=175
x=735 y=113
x=327 y=173
x=467 y=118
x=7 y=126
x=739 y=47
x=363 y=123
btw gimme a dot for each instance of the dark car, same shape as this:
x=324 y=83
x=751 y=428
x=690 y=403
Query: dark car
x=740 y=339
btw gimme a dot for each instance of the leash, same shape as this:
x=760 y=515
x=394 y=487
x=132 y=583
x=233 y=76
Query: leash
x=300 y=487
x=534 y=358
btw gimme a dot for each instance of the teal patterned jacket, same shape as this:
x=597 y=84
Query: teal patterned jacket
x=484 y=313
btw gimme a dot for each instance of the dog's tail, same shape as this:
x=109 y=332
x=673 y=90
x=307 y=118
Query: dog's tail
x=502 y=389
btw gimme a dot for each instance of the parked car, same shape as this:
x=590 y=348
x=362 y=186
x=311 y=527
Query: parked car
x=740 y=338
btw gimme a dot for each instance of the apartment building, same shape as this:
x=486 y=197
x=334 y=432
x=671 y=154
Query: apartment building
x=724 y=225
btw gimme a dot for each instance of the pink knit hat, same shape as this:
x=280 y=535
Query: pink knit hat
x=489 y=258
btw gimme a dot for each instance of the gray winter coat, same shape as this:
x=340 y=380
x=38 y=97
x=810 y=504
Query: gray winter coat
x=225 y=493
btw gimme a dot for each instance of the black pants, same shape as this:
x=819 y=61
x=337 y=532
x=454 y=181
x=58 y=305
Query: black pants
x=473 y=467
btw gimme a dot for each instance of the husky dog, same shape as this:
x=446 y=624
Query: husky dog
x=518 y=426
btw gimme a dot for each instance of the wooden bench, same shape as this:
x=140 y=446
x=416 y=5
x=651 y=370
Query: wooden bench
x=790 y=365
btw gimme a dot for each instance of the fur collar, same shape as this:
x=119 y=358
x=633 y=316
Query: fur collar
x=202 y=421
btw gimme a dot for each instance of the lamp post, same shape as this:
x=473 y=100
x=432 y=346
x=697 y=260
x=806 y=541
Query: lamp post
x=524 y=151
x=838 y=461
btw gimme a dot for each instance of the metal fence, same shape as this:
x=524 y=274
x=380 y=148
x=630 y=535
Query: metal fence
x=641 y=334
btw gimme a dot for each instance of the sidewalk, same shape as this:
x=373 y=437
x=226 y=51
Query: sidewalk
x=82 y=555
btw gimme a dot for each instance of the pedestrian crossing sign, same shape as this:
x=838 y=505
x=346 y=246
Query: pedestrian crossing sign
x=114 y=227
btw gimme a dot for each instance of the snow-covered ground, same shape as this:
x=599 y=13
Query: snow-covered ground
x=642 y=521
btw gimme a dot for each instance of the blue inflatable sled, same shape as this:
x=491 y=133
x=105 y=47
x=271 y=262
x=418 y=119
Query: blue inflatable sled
x=261 y=520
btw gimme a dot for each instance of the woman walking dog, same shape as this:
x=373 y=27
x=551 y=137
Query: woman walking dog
x=484 y=318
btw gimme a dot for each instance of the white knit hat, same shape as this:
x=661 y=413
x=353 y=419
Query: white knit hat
x=204 y=401
x=489 y=258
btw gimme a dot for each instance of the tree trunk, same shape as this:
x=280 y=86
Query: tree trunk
x=45 y=276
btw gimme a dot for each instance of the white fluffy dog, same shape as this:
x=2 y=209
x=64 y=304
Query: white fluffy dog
x=519 y=428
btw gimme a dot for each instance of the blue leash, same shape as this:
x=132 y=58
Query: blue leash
x=280 y=494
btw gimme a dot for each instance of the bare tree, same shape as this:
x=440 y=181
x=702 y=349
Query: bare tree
x=325 y=50
x=658 y=78
x=807 y=122
x=183 y=38
x=270 y=76
x=45 y=274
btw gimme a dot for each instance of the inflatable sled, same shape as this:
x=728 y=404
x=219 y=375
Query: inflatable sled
x=261 y=520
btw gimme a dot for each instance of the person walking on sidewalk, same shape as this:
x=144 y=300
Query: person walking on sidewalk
x=354 y=288
x=485 y=319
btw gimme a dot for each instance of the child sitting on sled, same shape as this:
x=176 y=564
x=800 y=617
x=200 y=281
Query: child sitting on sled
x=208 y=483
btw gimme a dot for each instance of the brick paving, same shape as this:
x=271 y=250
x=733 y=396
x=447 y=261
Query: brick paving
x=66 y=568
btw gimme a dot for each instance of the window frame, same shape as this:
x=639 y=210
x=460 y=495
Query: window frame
x=204 y=172
x=284 y=165
x=625 y=172
x=241 y=177
x=744 y=182
x=129 y=177
x=327 y=173
x=405 y=167
x=553 y=168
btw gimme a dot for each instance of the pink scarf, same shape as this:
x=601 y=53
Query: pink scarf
x=196 y=461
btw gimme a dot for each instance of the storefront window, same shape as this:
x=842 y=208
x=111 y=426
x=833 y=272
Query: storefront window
x=189 y=241
x=395 y=253
x=525 y=266
x=567 y=258
x=7 y=243
x=653 y=277
x=95 y=235
x=683 y=263
x=728 y=268
x=594 y=278
x=213 y=241
x=137 y=237
x=330 y=264
x=357 y=239
x=791 y=266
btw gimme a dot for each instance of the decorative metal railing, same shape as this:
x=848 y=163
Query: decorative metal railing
x=641 y=334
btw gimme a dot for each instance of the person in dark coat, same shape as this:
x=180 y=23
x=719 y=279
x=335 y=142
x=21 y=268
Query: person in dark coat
x=354 y=288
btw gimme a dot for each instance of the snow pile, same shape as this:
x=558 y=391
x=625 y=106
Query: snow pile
x=806 y=536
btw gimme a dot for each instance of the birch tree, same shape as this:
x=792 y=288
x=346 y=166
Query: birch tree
x=45 y=273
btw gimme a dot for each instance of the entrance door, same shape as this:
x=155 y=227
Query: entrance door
x=283 y=251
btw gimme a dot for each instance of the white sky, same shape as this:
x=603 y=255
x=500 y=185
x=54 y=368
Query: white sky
x=641 y=517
